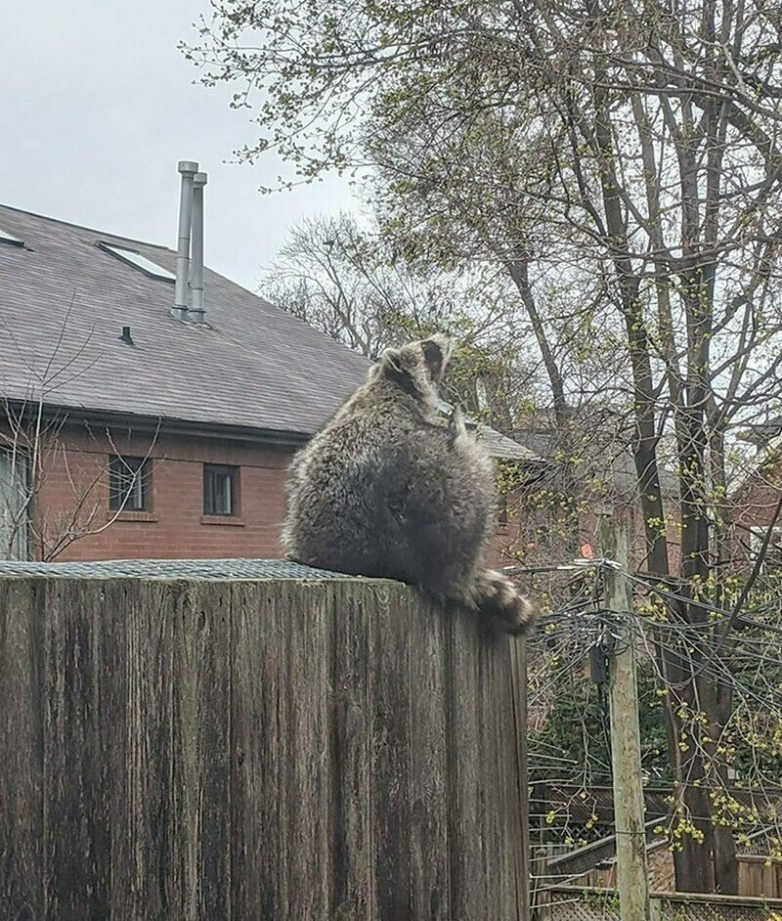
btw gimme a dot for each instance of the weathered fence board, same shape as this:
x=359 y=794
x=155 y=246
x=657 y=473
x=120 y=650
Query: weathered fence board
x=465 y=805
x=78 y=732
x=21 y=735
x=142 y=625
x=760 y=876
x=201 y=724
x=201 y=750
x=352 y=856
x=259 y=876
x=390 y=757
x=500 y=779
x=306 y=769
x=428 y=792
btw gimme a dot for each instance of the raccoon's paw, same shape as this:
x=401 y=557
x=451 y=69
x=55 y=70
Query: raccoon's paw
x=456 y=425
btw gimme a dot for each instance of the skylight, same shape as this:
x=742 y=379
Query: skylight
x=7 y=238
x=147 y=266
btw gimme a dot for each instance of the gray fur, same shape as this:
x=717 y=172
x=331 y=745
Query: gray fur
x=387 y=489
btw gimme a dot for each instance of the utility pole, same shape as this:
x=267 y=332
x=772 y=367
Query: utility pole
x=632 y=875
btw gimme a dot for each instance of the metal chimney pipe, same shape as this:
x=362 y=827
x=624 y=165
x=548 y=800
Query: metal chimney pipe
x=188 y=169
x=197 y=261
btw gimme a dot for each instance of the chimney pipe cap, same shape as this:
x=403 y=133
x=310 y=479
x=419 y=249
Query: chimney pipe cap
x=187 y=166
x=200 y=179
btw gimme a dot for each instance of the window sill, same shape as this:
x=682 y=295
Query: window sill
x=232 y=521
x=145 y=517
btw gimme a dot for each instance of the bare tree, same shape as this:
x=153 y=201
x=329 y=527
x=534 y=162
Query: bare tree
x=349 y=282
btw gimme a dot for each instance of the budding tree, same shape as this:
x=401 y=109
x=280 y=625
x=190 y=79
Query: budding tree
x=622 y=164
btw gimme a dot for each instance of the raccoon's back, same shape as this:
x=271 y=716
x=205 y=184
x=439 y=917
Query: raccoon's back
x=394 y=507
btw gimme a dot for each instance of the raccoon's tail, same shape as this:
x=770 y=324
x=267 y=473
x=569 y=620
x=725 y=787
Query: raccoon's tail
x=497 y=597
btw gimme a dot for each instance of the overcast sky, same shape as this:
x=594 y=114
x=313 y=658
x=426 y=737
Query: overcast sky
x=97 y=108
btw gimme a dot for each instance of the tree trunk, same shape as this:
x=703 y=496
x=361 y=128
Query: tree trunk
x=519 y=273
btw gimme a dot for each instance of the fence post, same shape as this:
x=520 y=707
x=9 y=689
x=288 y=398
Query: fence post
x=632 y=876
x=518 y=659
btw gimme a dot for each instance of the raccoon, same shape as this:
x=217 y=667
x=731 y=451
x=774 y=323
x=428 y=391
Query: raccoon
x=387 y=489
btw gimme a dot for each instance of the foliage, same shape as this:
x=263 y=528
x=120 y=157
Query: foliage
x=621 y=164
x=577 y=726
x=344 y=279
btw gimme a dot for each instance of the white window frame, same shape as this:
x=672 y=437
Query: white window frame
x=129 y=483
x=13 y=503
x=757 y=534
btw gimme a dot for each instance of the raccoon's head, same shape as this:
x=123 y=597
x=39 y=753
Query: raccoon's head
x=417 y=367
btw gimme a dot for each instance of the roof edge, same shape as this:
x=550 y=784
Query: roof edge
x=95 y=230
x=276 y=439
x=71 y=416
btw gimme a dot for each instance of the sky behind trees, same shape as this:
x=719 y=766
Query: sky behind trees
x=98 y=107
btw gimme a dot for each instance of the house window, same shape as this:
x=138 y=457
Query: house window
x=138 y=261
x=773 y=558
x=502 y=510
x=14 y=501
x=220 y=484
x=129 y=482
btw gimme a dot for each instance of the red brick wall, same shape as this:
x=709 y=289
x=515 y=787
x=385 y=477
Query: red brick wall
x=504 y=544
x=536 y=534
x=754 y=505
x=76 y=477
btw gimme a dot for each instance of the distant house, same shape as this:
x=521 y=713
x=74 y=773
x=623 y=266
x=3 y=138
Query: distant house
x=594 y=471
x=133 y=426
x=755 y=497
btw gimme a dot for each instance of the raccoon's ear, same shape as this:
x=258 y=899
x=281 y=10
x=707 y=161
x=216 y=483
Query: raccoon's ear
x=391 y=362
x=433 y=356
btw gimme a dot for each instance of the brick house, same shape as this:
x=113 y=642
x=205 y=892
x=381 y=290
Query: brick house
x=131 y=429
x=603 y=482
x=755 y=497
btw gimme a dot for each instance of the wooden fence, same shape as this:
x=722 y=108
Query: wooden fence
x=582 y=903
x=253 y=750
x=594 y=866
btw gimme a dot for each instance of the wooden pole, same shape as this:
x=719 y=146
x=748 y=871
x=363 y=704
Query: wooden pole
x=633 y=881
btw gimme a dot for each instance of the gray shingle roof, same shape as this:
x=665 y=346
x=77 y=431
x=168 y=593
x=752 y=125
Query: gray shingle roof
x=504 y=448
x=64 y=301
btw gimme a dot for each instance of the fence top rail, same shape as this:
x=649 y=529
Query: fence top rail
x=609 y=841
x=713 y=898
x=203 y=570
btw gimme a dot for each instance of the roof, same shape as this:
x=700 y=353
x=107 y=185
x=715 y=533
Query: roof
x=504 y=448
x=64 y=301
x=601 y=436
